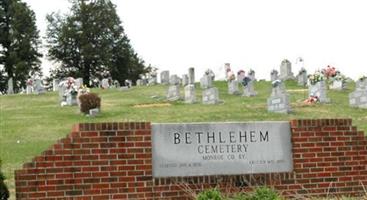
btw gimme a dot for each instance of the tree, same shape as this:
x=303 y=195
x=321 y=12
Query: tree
x=19 y=43
x=90 y=41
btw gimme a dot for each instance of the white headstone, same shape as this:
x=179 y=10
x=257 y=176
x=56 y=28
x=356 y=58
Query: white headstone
x=10 y=86
x=38 y=87
x=191 y=75
x=302 y=77
x=233 y=87
x=190 y=94
x=210 y=96
x=358 y=98
x=206 y=82
x=105 y=83
x=279 y=99
x=274 y=75
x=55 y=85
x=173 y=93
x=248 y=87
x=165 y=77
x=185 y=80
x=286 y=70
x=319 y=89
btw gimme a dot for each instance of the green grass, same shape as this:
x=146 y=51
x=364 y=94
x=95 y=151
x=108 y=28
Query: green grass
x=38 y=121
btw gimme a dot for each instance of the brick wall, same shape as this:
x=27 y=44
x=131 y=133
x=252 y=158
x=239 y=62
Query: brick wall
x=114 y=161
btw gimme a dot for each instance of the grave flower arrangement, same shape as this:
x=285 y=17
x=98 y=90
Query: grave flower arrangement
x=329 y=72
x=315 y=78
x=29 y=82
x=311 y=100
x=230 y=76
x=246 y=81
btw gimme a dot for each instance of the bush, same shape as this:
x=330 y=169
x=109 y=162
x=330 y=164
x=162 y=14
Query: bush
x=211 y=194
x=4 y=192
x=89 y=101
x=265 y=193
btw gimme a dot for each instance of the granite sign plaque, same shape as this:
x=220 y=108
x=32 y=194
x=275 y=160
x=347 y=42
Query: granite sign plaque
x=197 y=149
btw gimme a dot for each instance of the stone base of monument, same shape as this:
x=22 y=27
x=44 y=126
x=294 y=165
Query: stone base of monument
x=173 y=93
x=338 y=85
x=190 y=94
x=211 y=96
x=233 y=87
x=358 y=99
x=279 y=104
x=94 y=112
x=319 y=90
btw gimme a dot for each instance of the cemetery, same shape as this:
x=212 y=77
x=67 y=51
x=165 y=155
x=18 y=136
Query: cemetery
x=176 y=103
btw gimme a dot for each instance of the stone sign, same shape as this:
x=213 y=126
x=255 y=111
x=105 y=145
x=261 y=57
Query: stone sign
x=198 y=149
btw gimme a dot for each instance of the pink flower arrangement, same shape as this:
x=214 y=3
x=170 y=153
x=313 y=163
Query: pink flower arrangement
x=329 y=72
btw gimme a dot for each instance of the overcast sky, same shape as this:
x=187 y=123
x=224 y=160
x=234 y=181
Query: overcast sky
x=178 y=34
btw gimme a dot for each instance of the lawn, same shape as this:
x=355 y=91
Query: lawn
x=31 y=123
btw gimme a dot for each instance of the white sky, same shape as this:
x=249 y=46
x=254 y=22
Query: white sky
x=178 y=34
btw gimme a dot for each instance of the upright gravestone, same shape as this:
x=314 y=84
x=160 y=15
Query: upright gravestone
x=78 y=82
x=62 y=90
x=185 y=80
x=128 y=83
x=232 y=83
x=10 y=86
x=248 y=87
x=55 y=85
x=173 y=93
x=279 y=99
x=191 y=75
x=190 y=94
x=286 y=70
x=358 y=98
x=241 y=75
x=105 y=83
x=165 y=78
x=152 y=78
x=227 y=68
x=302 y=77
x=274 y=75
x=29 y=86
x=338 y=85
x=318 y=90
x=139 y=82
x=38 y=87
x=251 y=75
x=210 y=94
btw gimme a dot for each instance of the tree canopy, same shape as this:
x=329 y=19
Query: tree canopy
x=90 y=41
x=19 y=43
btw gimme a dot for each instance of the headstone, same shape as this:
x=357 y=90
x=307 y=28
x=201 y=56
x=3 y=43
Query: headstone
x=105 y=83
x=55 y=85
x=274 y=75
x=248 y=87
x=191 y=75
x=173 y=93
x=319 y=90
x=338 y=85
x=302 y=77
x=211 y=96
x=251 y=75
x=116 y=84
x=233 y=87
x=62 y=87
x=79 y=83
x=190 y=94
x=279 y=99
x=71 y=98
x=29 y=86
x=358 y=98
x=185 y=80
x=10 y=86
x=227 y=68
x=38 y=87
x=286 y=70
x=152 y=77
x=210 y=73
x=128 y=83
x=165 y=77
x=139 y=82
x=206 y=82
x=241 y=75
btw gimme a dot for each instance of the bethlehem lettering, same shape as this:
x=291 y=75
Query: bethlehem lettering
x=220 y=142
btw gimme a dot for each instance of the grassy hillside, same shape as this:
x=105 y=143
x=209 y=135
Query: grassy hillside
x=30 y=123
